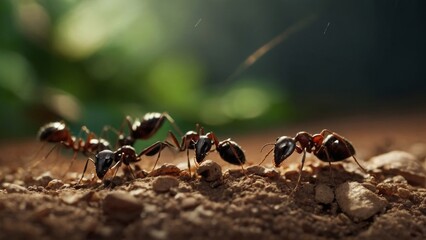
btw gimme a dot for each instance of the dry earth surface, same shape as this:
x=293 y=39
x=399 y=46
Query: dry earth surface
x=226 y=202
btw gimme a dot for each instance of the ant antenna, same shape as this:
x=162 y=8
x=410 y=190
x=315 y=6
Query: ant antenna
x=268 y=144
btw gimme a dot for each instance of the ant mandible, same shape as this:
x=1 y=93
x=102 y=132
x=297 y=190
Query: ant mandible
x=59 y=133
x=327 y=146
x=202 y=143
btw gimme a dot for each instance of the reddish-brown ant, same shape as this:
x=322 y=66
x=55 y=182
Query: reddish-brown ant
x=327 y=146
x=202 y=143
x=58 y=132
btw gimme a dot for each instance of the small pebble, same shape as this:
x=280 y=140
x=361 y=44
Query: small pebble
x=190 y=203
x=400 y=163
x=43 y=179
x=403 y=192
x=358 y=202
x=210 y=171
x=272 y=173
x=14 y=188
x=121 y=206
x=324 y=194
x=166 y=169
x=54 y=184
x=257 y=170
x=71 y=198
x=164 y=183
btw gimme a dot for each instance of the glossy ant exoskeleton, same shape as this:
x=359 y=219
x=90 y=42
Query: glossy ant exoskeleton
x=145 y=129
x=107 y=159
x=327 y=146
x=202 y=143
x=59 y=133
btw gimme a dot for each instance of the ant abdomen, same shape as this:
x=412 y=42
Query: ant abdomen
x=231 y=152
x=335 y=149
x=54 y=132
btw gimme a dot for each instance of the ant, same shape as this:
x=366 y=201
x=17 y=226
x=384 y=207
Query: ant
x=58 y=132
x=145 y=129
x=327 y=146
x=108 y=159
x=202 y=143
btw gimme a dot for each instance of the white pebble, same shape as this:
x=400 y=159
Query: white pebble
x=400 y=163
x=358 y=202
x=210 y=171
x=163 y=183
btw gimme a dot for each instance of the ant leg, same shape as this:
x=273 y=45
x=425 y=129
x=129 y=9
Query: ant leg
x=131 y=171
x=84 y=170
x=45 y=157
x=74 y=156
x=189 y=163
x=117 y=166
x=172 y=122
x=359 y=165
x=329 y=164
x=299 y=179
x=199 y=129
x=156 y=161
x=331 y=174
x=324 y=131
x=213 y=137
x=175 y=143
x=38 y=152
x=155 y=148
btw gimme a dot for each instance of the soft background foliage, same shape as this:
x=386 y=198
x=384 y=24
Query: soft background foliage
x=93 y=62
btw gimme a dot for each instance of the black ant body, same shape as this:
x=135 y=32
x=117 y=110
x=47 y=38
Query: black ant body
x=107 y=159
x=327 y=146
x=145 y=129
x=202 y=143
x=58 y=132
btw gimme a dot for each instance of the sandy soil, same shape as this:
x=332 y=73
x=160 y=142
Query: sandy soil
x=46 y=202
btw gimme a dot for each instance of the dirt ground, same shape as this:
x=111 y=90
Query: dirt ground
x=390 y=203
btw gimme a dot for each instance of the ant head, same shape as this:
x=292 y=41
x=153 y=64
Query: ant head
x=202 y=147
x=103 y=162
x=284 y=147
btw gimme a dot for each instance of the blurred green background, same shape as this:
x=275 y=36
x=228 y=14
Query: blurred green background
x=230 y=65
